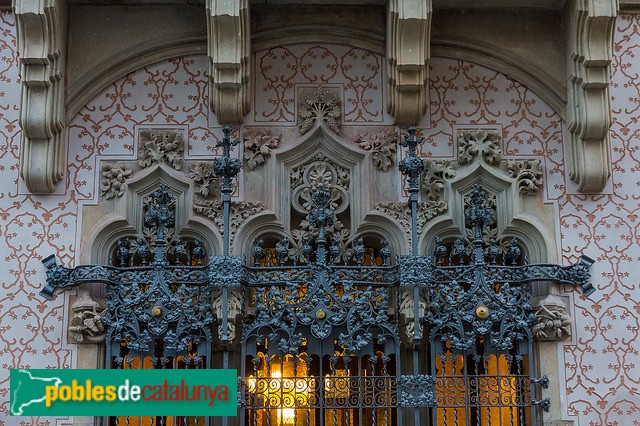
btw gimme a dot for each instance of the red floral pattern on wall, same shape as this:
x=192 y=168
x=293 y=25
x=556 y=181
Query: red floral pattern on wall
x=602 y=367
x=601 y=373
x=356 y=74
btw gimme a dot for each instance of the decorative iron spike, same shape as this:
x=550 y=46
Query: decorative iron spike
x=358 y=250
x=440 y=251
x=478 y=216
x=513 y=252
x=412 y=165
x=226 y=167
x=282 y=250
x=385 y=252
x=334 y=251
x=258 y=252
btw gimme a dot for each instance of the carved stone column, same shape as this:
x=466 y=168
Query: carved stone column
x=42 y=35
x=589 y=47
x=229 y=48
x=408 y=40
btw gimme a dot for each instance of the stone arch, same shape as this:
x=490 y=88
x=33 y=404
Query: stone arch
x=95 y=80
x=517 y=67
x=126 y=215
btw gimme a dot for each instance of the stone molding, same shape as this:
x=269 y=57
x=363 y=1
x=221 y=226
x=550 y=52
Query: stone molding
x=229 y=48
x=590 y=48
x=408 y=42
x=42 y=35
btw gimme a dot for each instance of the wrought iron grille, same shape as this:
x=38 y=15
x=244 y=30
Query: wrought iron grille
x=322 y=343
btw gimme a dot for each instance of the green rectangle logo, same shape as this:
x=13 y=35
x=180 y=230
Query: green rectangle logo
x=123 y=392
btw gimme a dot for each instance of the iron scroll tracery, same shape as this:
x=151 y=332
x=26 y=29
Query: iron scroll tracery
x=475 y=300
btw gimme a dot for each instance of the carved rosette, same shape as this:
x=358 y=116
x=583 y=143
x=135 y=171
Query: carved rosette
x=112 y=180
x=161 y=146
x=319 y=104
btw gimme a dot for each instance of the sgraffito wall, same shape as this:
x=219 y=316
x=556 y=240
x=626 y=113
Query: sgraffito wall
x=601 y=362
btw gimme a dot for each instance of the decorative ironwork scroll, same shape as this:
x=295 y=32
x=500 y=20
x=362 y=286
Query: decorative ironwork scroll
x=320 y=338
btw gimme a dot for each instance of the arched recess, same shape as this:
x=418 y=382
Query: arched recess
x=515 y=66
x=93 y=82
x=513 y=219
x=127 y=215
x=318 y=142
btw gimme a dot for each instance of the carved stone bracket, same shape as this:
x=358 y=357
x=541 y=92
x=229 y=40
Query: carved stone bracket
x=228 y=48
x=553 y=321
x=590 y=42
x=42 y=34
x=408 y=41
x=86 y=323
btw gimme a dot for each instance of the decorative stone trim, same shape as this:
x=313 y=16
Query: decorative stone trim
x=319 y=104
x=528 y=174
x=159 y=146
x=408 y=41
x=206 y=181
x=383 y=146
x=258 y=146
x=42 y=32
x=479 y=142
x=112 y=182
x=433 y=182
x=590 y=40
x=228 y=46
x=401 y=212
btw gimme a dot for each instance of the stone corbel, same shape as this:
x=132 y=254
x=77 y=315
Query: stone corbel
x=42 y=34
x=228 y=49
x=590 y=45
x=553 y=321
x=86 y=322
x=408 y=40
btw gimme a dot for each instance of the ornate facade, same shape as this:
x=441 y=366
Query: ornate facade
x=114 y=155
